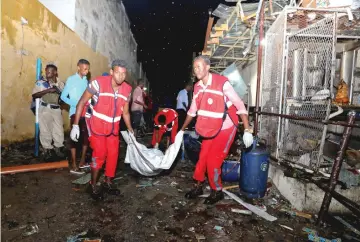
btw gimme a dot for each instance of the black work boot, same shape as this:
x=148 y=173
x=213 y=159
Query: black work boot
x=96 y=192
x=214 y=197
x=47 y=156
x=59 y=151
x=195 y=192
x=110 y=188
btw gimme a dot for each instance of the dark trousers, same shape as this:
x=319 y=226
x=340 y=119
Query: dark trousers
x=136 y=119
x=182 y=116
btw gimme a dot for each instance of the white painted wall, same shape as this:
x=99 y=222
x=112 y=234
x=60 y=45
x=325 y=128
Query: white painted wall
x=248 y=73
x=63 y=10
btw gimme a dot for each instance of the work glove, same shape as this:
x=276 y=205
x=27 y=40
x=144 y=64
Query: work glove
x=248 y=139
x=156 y=146
x=75 y=132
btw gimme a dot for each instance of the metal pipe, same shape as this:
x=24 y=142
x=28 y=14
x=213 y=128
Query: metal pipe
x=351 y=90
x=296 y=82
x=295 y=117
x=318 y=9
x=249 y=98
x=328 y=108
x=285 y=107
x=348 y=36
x=336 y=168
x=258 y=81
x=304 y=76
x=347 y=62
x=312 y=35
x=323 y=136
x=261 y=87
x=338 y=112
x=284 y=66
x=34 y=167
x=351 y=205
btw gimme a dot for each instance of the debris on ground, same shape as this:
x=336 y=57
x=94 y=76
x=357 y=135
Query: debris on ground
x=86 y=236
x=155 y=211
x=31 y=229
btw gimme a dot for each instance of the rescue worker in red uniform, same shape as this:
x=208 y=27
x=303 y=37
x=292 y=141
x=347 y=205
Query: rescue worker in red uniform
x=110 y=100
x=217 y=107
x=165 y=122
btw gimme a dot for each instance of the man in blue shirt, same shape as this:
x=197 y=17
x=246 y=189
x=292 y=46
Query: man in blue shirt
x=74 y=89
x=183 y=104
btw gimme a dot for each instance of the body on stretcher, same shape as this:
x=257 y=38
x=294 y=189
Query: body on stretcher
x=150 y=162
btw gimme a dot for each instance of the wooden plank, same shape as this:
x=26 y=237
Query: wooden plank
x=222 y=27
x=308 y=4
x=217 y=34
x=212 y=41
x=252 y=15
x=208 y=53
x=208 y=31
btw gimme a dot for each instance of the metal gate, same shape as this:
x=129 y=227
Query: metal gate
x=297 y=79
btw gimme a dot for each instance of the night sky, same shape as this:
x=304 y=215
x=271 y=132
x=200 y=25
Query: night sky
x=167 y=33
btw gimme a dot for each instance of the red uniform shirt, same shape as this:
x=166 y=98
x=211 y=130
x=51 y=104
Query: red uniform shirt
x=171 y=125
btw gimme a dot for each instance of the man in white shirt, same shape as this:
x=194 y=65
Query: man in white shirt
x=137 y=106
x=182 y=103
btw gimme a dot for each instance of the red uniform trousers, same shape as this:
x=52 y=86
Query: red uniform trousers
x=105 y=148
x=212 y=154
x=157 y=134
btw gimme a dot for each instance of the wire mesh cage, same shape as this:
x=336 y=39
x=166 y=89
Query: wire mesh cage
x=297 y=80
x=271 y=83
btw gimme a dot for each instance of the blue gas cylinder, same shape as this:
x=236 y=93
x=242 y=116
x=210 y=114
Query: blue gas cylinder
x=254 y=170
x=230 y=171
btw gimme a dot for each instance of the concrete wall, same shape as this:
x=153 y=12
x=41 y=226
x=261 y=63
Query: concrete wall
x=308 y=197
x=105 y=27
x=46 y=37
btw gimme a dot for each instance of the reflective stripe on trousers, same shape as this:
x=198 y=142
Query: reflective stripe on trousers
x=212 y=154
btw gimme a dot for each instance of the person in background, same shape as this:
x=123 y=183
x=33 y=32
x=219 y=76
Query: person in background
x=74 y=89
x=148 y=114
x=50 y=117
x=182 y=104
x=110 y=96
x=217 y=107
x=165 y=122
x=137 y=106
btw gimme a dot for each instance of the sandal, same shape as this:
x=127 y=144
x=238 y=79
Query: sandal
x=84 y=166
x=77 y=172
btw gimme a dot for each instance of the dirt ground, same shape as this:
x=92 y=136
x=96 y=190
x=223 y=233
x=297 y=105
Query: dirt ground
x=158 y=212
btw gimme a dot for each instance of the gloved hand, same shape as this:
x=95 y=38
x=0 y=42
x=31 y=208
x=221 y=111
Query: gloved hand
x=248 y=139
x=156 y=146
x=75 y=132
